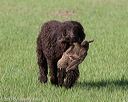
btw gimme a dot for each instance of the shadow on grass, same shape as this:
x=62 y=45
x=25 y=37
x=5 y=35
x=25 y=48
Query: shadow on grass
x=122 y=84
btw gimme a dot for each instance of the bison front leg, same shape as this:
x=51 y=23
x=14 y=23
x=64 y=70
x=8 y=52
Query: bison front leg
x=61 y=76
x=71 y=77
x=42 y=63
x=53 y=72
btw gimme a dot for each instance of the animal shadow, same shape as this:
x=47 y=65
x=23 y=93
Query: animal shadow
x=111 y=84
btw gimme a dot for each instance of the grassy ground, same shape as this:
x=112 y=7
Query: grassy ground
x=104 y=73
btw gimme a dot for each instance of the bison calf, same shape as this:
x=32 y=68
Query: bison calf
x=50 y=48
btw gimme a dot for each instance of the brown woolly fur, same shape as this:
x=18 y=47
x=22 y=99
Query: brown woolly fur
x=53 y=40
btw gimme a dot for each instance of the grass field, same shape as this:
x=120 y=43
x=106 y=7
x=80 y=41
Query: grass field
x=104 y=73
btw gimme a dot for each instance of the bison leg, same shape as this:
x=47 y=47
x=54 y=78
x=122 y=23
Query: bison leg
x=42 y=63
x=53 y=72
x=61 y=76
x=71 y=77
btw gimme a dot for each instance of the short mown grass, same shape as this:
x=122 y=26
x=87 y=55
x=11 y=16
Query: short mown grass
x=103 y=74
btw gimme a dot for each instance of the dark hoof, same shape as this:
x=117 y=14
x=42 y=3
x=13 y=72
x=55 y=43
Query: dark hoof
x=54 y=81
x=60 y=84
x=43 y=79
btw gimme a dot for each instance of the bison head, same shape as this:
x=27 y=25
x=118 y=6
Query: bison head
x=72 y=32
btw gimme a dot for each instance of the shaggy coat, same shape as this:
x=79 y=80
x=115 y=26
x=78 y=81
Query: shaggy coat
x=53 y=40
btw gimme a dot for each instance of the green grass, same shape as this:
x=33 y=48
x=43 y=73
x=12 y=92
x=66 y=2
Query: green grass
x=104 y=73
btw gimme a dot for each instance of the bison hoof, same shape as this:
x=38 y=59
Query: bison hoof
x=43 y=79
x=54 y=81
